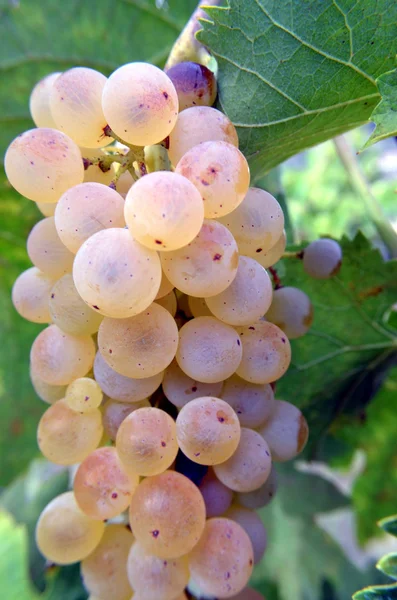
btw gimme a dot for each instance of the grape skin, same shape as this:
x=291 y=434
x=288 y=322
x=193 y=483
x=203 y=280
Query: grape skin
x=47 y=209
x=286 y=432
x=222 y=562
x=41 y=164
x=252 y=524
x=254 y=404
x=30 y=295
x=164 y=211
x=220 y=173
x=83 y=394
x=104 y=571
x=292 y=311
x=39 y=102
x=217 y=496
x=169 y=302
x=262 y=496
x=167 y=515
x=195 y=84
x=46 y=392
x=149 y=114
x=116 y=275
x=322 y=258
x=272 y=256
x=180 y=389
x=165 y=287
x=208 y=430
x=114 y=413
x=199 y=308
x=46 y=250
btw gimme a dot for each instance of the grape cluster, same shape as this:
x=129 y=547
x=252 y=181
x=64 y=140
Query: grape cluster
x=158 y=361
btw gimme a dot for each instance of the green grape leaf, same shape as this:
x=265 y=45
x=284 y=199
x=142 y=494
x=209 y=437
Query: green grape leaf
x=295 y=73
x=301 y=554
x=379 y=592
x=338 y=366
x=385 y=114
x=388 y=565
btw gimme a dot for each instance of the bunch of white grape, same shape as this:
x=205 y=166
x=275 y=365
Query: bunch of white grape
x=164 y=337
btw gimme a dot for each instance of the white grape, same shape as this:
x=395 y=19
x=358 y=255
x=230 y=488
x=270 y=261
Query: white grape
x=292 y=311
x=31 y=294
x=286 y=431
x=39 y=102
x=322 y=258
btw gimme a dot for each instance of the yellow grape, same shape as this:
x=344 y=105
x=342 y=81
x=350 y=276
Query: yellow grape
x=247 y=298
x=207 y=265
x=208 y=430
x=141 y=346
x=209 y=351
x=266 y=353
x=253 y=526
x=68 y=310
x=167 y=515
x=217 y=496
x=155 y=578
x=76 y=106
x=222 y=562
x=104 y=571
x=39 y=102
x=198 y=307
x=121 y=388
x=31 y=294
x=64 y=534
x=195 y=84
x=147 y=115
x=86 y=209
x=102 y=486
x=43 y=163
x=169 y=302
x=180 y=389
x=47 y=208
x=114 y=414
x=220 y=173
x=286 y=432
x=83 y=395
x=164 y=211
x=250 y=465
x=116 y=275
x=46 y=250
x=58 y=358
x=146 y=441
x=46 y=392
x=196 y=125
x=269 y=258
x=261 y=496
x=165 y=287
x=65 y=436
x=256 y=224
x=254 y=404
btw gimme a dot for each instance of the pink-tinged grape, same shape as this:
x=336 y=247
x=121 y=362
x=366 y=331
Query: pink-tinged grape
x=198 y=307
x=65 y=436
x=165 y=287
x=114 y=414
x=208 y=430
x=248 y=594
x=39 y=102
x=169 y=302
x=247 y=298
x=155 y=578
x=46 y=250
x=102 y=487
x=146 y=441
x=322 y=258
x=256 y=224
x=292 y=311
x=250 y=465
x=272 y=256
x=76 y=106
x=209 y=351
x=253 y=526
x=64 y=534
x=30 y=295
x=286 y=432
x=104 y=571
x=217 y=497
x=43 y=163
x=68 y=310
x=254 y=404
x=195 y=84
x=94 y=172
x=167 y=515
x=196 y=125
x=116 y=275
x=164 y=211
x=141 y=346
x=121 y=388
x=207 y=265
x=83 y=394
x=222 y=562
x=147 y=115
x=266 y=353
x=262 y=496
x=220 y=173
x=46 y=392
x=180 y=389
x=86 y=209
x=47 y=208
x=58 y=358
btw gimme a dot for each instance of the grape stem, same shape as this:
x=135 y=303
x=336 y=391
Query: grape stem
x=276 y=279
x=298 y=254
x=361 y=186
